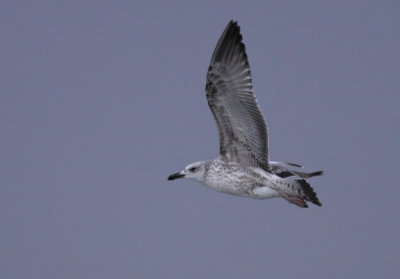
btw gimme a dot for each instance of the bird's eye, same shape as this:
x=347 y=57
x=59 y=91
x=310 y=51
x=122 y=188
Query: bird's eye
x=192 y=169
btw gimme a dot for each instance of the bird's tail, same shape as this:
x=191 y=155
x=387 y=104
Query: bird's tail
x=299 y=192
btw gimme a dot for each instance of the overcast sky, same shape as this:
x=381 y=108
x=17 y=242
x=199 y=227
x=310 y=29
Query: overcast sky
x=101 y=100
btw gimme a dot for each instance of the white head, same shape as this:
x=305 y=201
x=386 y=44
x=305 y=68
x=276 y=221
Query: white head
x=194 y=171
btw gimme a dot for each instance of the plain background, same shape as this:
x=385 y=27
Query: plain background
x=102 y=100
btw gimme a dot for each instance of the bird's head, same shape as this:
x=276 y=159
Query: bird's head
x=194 y=171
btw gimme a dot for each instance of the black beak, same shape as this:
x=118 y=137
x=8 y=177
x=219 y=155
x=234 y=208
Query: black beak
x=175 y=176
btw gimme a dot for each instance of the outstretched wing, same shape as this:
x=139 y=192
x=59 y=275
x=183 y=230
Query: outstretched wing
x=241 y=125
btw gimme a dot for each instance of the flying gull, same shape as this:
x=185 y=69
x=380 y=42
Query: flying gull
x=243 y=167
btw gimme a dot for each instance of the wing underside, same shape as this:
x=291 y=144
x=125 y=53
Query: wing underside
x=241 y=125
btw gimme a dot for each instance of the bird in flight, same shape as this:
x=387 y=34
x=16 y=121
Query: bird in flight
x=243 y=167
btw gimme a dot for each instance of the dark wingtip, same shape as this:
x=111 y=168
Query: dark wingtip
x=230 y=38
x=317 y=173
x=293 y=165
x=233 y=22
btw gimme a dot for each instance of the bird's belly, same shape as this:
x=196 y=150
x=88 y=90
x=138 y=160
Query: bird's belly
x=223 y=186
x=243 y=188
x=264 y=193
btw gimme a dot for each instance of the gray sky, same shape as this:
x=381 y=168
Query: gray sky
x=102 y=100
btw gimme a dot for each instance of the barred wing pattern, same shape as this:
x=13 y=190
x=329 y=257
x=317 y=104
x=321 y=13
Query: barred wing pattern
x=241 y=125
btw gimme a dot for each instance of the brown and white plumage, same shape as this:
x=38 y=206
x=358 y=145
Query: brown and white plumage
x=243 y=167
x=242 y=131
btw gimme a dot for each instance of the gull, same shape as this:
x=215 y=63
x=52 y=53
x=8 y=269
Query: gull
x=243 y=167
